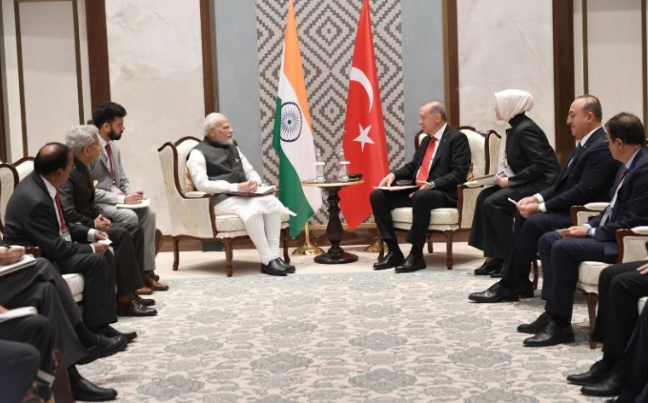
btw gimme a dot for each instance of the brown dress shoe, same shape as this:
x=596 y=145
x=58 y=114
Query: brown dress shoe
x=134 y=308
x=144 y=301
x=144 y=291
x=154 y=284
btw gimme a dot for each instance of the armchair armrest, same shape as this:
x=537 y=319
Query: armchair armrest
x=632 y=244
x=33 y=250
x=579 y=214
x=466 y=203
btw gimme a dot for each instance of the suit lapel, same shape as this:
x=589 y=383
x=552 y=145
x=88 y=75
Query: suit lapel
x=441 y=146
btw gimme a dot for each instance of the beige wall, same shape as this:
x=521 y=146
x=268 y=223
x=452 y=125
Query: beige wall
x=156 y=74
x=503 y=44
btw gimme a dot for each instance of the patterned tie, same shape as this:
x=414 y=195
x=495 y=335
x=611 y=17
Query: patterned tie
x=63 y=228
x=610 y=210
x=424 y=171
x=110 y=160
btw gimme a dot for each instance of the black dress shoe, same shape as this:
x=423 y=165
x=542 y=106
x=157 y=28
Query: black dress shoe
x=525 y=290
x=134 y=308
x=497 y=273
x=596 y=373
x=273 y=268
x=552 y=335
x=412 y=263
x=391 y=260
x=536 y=326
x=488 y=267
x=109 y=331
x=498 y=292
x=610 y=386
x=287 y=267
x=105 y=347
x=87 y=391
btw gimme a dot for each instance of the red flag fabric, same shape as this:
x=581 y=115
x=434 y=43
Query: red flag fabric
x=364 y=128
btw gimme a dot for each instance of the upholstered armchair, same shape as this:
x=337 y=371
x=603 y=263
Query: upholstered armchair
x=192 y=212
x=484 y=148
x=632 y=247
x=10 y=176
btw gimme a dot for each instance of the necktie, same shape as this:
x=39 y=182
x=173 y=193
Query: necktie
x=110 y=161
x=578 y=151
x=424 y=170
x=59 y=210
x=610 y=209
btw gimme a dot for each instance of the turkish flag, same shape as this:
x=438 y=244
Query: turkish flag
x=364 y=140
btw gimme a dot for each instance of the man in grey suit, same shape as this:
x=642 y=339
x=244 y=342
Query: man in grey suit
x=113 y=187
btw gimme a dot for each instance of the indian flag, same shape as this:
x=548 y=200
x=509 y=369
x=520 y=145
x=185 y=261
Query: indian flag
x=292 y=136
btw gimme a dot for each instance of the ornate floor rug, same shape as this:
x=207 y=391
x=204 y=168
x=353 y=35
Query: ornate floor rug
x=371 y=337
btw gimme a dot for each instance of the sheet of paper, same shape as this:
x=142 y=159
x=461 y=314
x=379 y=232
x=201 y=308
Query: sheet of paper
x=395 y=188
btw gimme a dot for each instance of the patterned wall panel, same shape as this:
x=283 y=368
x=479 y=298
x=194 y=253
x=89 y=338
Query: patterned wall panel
x=327 y=30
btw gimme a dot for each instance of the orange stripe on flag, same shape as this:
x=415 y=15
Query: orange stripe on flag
x=292 y=63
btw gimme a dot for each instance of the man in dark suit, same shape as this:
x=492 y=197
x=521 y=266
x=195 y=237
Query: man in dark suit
x=620 y=286
x=588 y=176
x=439 y=165
x=34 y=217
x=42 y=287
x=561 y=253
x=77 y=198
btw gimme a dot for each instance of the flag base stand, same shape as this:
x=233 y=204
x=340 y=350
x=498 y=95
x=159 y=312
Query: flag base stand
x=375 y=247
x=308 y=248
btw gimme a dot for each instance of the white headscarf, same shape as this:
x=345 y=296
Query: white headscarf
x=511 y=103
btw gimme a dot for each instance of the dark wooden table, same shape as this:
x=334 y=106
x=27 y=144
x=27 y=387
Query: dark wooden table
x=334 y=229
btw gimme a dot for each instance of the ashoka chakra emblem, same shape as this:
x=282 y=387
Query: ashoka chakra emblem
x=291 y=122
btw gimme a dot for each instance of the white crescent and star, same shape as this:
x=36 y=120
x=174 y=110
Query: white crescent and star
x=359 y=76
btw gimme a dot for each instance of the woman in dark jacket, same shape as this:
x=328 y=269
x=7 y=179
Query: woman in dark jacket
x=528 y=165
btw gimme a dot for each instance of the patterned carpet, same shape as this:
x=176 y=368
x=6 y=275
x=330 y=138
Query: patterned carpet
x=374 y=337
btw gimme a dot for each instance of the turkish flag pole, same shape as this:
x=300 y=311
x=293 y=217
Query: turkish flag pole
x=364 y=140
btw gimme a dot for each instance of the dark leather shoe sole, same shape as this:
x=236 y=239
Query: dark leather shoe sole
x=272 y=272
x=476 y=297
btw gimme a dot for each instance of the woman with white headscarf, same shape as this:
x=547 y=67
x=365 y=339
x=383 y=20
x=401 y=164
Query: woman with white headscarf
x=528 y=165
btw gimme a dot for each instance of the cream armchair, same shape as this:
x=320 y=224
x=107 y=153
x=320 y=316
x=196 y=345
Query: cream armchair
x=632 y=247
x=10 y=176
x=192 y=213
x=484 y=149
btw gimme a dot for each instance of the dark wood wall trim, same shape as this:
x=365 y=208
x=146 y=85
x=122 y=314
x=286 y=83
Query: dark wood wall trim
x=644 y=63
x=451 y=48
x=585 y=48
x=98 y=52
x=210 y=70
x=564 y=87
x=3 y=133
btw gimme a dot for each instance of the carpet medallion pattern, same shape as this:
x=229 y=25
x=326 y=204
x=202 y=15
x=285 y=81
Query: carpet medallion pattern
x=364 y=337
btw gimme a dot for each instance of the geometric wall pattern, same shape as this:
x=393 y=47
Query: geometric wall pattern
x=326 y=31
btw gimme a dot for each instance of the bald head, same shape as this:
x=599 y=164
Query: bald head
x=54 y=163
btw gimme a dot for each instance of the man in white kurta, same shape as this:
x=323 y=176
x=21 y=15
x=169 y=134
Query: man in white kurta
x=218 y=167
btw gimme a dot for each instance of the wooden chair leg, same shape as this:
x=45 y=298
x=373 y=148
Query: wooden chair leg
x=448 y=237
x=229 y=270
x=285 y=245
x=176 y=252
x=430 y=244
x=158 y=241
x=592 y=301
x=535 y=274
x=381 y=249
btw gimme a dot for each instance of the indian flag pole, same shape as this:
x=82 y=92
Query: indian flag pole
x=293 y=137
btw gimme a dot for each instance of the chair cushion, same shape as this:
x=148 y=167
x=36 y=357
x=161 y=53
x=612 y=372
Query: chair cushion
x=230 y=226
x=642 y=303
x=76 y=282
x=440 y=216
x=588 y=276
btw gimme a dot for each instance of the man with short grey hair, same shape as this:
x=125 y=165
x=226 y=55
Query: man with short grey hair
x=218 y=167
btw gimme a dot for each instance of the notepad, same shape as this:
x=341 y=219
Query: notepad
x=24 y=262
x=18 y=313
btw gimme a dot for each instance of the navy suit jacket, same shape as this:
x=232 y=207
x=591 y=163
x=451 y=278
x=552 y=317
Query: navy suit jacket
x=449 y=166
x=631 y=207
x=587 y=179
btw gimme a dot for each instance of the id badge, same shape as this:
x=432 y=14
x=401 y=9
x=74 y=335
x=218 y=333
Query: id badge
x=114 y=189
x=66 y=235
